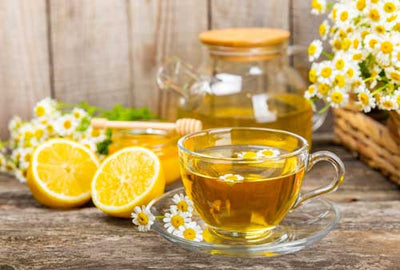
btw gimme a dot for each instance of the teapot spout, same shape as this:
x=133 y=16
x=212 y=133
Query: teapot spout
x=180 y=78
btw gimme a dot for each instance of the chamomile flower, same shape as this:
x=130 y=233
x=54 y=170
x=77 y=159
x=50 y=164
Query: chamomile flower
x=190 y=231
x=79 y=114
x=45 y=107
x=375 y=14
x=97 y=135
x=393 y=74
x=24 y=157
x=318 y=6
x=344 y=15
x=229 y=177
x=314 y=50
x=14 y=124
x=385 y=50
x=310 y=92
x=143 y=218
x=325 y=72
x=90 y=144
x=175 y=219
x=183 y=203
x=387 y=103
x=268 y=152
x=249 y=155
x=324 y=30
x=21 y=175
x=366 y=101
x=337 y=97
x=389 y=7
x=66 y=125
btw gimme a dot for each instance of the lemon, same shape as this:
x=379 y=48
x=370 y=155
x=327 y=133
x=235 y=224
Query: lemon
x=130 y=177
x=61 y=173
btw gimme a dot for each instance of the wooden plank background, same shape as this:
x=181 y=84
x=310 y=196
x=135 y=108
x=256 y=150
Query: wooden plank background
x=108 y=51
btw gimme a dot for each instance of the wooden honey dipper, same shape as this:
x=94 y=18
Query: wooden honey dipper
x=182 y=126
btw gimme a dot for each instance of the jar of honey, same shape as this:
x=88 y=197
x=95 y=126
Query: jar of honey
x=161 y=142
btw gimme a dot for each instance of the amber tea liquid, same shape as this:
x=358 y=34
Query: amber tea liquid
x=247 y=198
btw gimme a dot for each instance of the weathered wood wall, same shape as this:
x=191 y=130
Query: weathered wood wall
x=107 y=51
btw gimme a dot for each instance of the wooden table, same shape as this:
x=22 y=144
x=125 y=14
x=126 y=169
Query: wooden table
x=35 y=237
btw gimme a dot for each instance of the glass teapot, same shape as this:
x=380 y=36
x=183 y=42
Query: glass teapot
x=245 y=82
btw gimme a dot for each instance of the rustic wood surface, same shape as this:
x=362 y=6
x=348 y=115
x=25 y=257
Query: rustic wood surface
x=35 y=237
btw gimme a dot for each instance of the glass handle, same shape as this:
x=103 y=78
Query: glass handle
x=335 y=161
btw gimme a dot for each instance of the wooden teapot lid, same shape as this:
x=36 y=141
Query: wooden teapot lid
x=244 y=37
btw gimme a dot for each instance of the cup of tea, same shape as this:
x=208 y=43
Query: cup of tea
x=244 y=181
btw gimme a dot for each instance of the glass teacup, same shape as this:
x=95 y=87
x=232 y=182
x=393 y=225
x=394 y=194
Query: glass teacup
x=243 y=181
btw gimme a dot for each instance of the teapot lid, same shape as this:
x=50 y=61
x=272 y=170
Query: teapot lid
x=244 y=37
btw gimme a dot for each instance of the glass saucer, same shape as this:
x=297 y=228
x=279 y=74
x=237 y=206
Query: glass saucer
x=300 y=228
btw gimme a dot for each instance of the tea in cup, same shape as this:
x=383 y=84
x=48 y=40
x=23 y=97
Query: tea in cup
x=244 y=181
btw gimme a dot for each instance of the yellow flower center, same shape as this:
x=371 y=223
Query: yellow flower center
x=27 y=157
x=337 y=97
x=339 y=64
x=387 y=104
x=342 y=34
x=364 y=33
x=334 y=13
x=380 y=29
x=364 y=99
x=337 y=44
x=312 y=75
x=39 y=133
x=323 y=89
x=182 y=206
x=389 y=7
x=398 y=56
x=95 y=133
x=50 y=128
x=322 y=29
x=350 y=72
x=40 y=111
x=395 y=76
x=142 y=218
x=326 y=72
x=267 y=152
x=372 y=43
x=67 y=124
x=249 y=155
x=392 y=18
x=316 y=5
x=344 y=16
x=357 y=56
x=374 y=15
x=339 y=81
x=356 y=42
x=311 y=89
x=77 y=115
x=360 y=4
x=177 y=221
x=346 y=43
x=232 y=177
x=398 y=100
x=28 y=135
x=387 y=47
x=189 y=234
x=312 y=49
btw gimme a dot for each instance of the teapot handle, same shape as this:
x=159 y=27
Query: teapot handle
x=318 y=118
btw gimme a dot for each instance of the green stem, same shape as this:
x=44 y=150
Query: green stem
x=379 y=89
x=368 y=79
x=329 y=56
x=159 y=216
x=324 y=109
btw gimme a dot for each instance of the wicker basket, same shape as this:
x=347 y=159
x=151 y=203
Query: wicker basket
x=377 y=144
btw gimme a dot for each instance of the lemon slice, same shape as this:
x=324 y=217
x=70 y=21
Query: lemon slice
x=128 y=178
x=61 y=173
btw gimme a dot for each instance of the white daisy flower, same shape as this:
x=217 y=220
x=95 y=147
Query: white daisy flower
x=97 y=135
x=175 y=219
x=45 y=107
x=366 y=101
x=387 y=103
x=268 y=152
x=311 y=91
x=393 y=74
x=314 y=50
x=325 y=72
x=344 y=15
x=90 y=144
x=143 y=218
x=20 y=175
x=24 y=157
x=337 y=97
x=183 y=203
x=375 y=14
x=66 y=125
x=79 y=113
x=324 y=30
x=371 y=42
x=246 y=155
x=389 y=7
x=385 y=50
x=190 y=231
x=318 y=7
x=229 y=177
x=14 y=124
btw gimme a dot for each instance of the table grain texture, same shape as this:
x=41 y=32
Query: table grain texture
x=35 y=237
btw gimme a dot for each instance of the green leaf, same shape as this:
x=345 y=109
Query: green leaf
x=84 y=124
x=102 y=148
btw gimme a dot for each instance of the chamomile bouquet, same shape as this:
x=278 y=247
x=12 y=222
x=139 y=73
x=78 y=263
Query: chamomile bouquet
x=362 y=63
